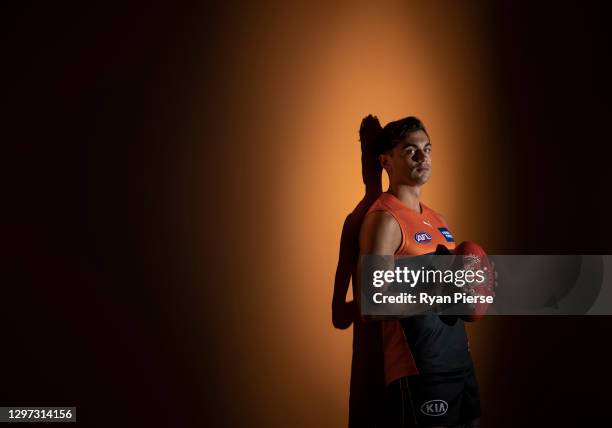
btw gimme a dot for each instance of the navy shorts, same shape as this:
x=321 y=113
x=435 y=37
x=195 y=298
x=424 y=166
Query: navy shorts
x=433 y=400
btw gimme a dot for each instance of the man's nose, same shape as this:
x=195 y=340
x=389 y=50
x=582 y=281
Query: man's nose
x=419 y=156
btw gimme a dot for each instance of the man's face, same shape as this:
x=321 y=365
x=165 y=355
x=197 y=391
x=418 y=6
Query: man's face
x=410 y=160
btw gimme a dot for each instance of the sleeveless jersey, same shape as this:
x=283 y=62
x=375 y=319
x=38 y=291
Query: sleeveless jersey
x=429 y=344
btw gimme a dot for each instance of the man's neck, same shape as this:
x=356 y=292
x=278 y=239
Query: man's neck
x=409 y=195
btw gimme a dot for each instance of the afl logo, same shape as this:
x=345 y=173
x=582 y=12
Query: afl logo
x=422 y=237
x=434 y=408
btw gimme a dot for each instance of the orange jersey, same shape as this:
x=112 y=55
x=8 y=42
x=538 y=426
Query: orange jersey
x=421 y=234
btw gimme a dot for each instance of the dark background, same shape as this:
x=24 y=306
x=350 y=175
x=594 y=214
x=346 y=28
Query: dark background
x=100 y=179
x=554 y=371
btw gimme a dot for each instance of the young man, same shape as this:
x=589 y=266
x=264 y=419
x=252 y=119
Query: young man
x=428 y=369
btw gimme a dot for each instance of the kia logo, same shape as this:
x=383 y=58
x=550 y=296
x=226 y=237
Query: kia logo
x=434 y=407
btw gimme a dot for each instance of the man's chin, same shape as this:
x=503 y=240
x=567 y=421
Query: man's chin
x=421 y=179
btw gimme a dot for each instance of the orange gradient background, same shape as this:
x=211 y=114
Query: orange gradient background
x=302 y=78
x=182 y=172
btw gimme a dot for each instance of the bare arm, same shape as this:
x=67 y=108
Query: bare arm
x=381 y=236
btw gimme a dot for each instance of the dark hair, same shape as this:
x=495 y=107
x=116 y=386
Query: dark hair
x=396 y=131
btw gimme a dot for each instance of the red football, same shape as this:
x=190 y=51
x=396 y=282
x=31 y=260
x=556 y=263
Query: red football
x=473 y=257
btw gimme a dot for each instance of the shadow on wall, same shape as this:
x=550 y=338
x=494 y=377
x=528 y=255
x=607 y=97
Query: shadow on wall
x=367 y=375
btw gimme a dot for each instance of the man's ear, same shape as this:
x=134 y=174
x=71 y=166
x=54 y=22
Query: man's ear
x=385 y=162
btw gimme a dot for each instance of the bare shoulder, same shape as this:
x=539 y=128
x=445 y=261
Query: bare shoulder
x=380 y=234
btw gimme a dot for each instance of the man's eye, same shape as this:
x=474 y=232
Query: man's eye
x=428 y=150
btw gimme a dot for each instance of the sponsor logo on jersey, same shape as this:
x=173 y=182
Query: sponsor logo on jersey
x=434 y=408
x=447 y=235
x=422 y=237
